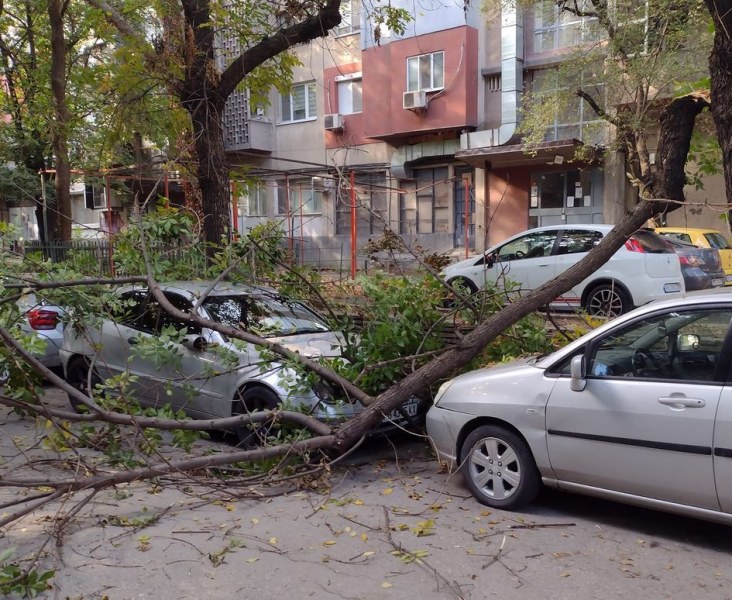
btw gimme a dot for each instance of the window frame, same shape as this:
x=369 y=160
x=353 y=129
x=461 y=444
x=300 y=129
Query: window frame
x=416 y=85
x=350 y=18
x=311 y=112
x=260 y=200
x=344 y=86
x=313 y=205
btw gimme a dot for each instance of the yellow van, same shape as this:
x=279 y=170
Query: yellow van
x=704 y=238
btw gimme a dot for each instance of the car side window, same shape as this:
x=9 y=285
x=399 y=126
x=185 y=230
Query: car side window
x=533 y=245
x=136 y=311
x=574 y=241
x=681 y=345
x=182 y=304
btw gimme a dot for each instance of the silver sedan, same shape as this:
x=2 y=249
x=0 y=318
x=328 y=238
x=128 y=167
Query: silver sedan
x=639 y=411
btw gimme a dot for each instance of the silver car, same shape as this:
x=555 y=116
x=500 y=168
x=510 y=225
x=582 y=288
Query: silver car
x=46 y=321
x=639 y=411
x=210 y=375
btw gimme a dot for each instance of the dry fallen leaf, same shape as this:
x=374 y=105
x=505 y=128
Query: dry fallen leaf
x=386 y=584
x=387 y=491
x=329 y=543
x=273 y=541
x=252 y=560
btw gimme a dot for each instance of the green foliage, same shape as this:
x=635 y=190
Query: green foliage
x=27 y=583
x=171 y=241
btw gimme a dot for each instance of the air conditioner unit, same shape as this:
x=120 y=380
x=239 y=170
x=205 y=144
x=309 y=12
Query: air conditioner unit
x=414 y=100
x=333 y=122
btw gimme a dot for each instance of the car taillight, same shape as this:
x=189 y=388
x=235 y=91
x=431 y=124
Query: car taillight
x=39 y=319
x=634 y=245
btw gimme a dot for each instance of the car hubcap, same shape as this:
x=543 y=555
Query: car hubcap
x=494 y=468
x=605 y=303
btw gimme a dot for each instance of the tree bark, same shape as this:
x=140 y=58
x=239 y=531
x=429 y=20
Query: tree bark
x=59 y=129
x=720 y=71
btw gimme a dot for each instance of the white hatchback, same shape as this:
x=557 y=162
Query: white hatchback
x=644 y=269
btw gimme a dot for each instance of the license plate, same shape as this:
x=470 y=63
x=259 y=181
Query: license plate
x=409 y=407
x=717 y=282
x=729 y=278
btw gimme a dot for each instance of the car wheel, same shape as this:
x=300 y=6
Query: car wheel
x=464 y=283
x=77 y=376
x=250 y=400
x=607 y=300
x=498 y=468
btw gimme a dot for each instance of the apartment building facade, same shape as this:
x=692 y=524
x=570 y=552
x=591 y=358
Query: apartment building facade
x=409 y=130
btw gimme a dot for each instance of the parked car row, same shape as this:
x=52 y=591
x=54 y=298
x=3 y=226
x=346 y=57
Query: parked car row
x=703 y=238
x=644 y=269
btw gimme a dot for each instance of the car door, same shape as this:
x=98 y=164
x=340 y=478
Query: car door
x=573 y=246
x=134 y=321
x=644 y=422
x=526 y=262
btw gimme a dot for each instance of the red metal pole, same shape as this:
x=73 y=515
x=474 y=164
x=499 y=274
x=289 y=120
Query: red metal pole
x=466 y=184
x=108 y=198
x=302 y=235
x=290 y=240
x=235 y=209
x=354 y=229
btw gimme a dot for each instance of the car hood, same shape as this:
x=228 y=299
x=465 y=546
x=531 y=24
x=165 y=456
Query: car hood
x=510 y=383
x=313 y=345
x=459 y=266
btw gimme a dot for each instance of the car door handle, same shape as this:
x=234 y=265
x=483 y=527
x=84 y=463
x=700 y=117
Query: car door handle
x=676 y=402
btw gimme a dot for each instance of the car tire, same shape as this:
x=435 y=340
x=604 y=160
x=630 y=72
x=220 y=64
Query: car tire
x=77 y=376
x=465 y=283
x=607 y=300
x=498 y=468
x=253 y=399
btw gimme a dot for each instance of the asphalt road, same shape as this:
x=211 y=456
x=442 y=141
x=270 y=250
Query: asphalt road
x=386 y=523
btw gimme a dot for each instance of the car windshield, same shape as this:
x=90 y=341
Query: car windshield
x=266 y=316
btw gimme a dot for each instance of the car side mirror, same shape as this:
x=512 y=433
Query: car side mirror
x=489 y=261
x=577 y=381
x=686 y=342
x=195 y=342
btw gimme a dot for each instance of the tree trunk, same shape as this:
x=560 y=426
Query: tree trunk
x=59 y=129
x=720 y=71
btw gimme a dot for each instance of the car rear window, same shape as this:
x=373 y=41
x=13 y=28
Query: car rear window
x=717 y=240
x=651 y=242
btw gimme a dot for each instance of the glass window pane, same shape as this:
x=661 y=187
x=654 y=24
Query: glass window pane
x=356 y=92
x=312 y=104
x=298 y=103
x=425 y=72
x=438 y=70
x=413 y=74
x=286 y=108
x=551 y=191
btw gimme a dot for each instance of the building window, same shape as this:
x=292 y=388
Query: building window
x=556 y=28
x=94 y=197
x=350 y=95
x=571 y=189
x=253 y=200
x=573 y=116
x=493 y=83
x=428 y=211
x=371 y=201
x=426 y=72
x=299 y=104
x=303 y=198
x=350 y=17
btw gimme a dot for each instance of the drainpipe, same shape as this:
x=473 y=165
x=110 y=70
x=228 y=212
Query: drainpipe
x=512 y=79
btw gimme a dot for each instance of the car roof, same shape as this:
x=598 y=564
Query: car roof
x=195 y=289
x=686 y=230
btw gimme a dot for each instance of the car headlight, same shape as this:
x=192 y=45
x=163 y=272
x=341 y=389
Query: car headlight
x=443 y=389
